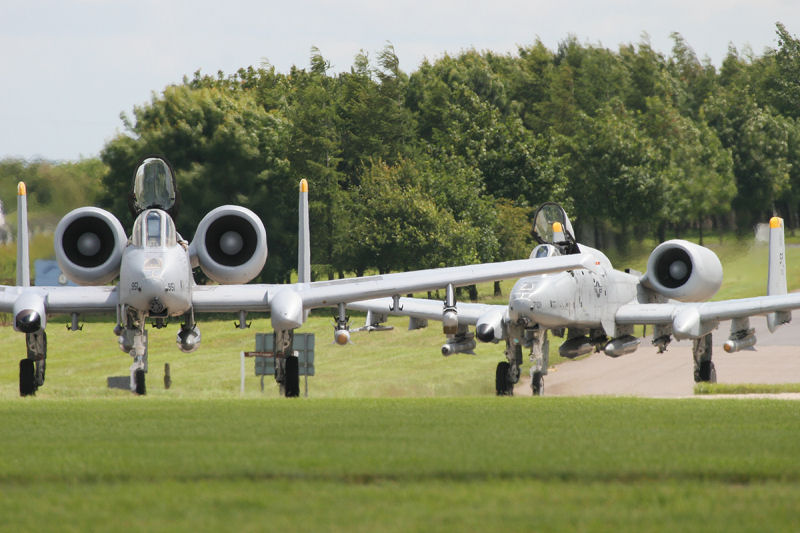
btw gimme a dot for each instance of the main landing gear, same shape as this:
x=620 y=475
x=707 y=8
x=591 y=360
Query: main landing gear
x=704 y=370
x=537 y=383
x=507 y=375
x=31 y=369
x=508 y=372
x=504 y=379
x=287 y=370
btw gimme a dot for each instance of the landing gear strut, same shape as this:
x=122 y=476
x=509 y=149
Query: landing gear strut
x=31 y=369
x=287 y=371
x=537 y=383
x=704 y=370
x=507 y=374
x=540 y=359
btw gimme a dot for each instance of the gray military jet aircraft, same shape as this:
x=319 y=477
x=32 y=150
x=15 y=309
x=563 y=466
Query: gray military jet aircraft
x=597 y=308
x=154 y=267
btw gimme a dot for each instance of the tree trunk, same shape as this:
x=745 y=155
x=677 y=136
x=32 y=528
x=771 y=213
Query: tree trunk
x=700 y=227
x=473 y=292
x=497 y=290
x=662 y=232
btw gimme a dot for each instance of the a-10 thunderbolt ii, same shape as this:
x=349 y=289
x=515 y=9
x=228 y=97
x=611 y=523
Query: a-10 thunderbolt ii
x=155 y=284
x=597 y=308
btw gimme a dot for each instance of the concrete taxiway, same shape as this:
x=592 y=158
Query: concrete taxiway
x=646 y=373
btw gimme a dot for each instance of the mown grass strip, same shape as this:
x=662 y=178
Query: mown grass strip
x=439 y=464
x=745 y=388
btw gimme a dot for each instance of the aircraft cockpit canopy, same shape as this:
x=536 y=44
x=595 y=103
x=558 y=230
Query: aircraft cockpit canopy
x=551 y=226
x=154 y=229
x=544 y=250
x=153 y=186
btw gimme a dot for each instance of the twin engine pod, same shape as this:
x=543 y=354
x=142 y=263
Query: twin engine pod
x=88 y=243
x=683 y=271
x=230 y=245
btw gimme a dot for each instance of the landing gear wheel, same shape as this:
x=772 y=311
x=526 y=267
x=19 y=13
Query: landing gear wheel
x=706 y=372
x=537 y=383
x=291 y=378
x=27 y=378
x=502 y=381
x=138 y=380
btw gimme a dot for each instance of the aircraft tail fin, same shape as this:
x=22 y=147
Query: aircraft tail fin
x=776 y=275
x=23 y=255
x=303 y=237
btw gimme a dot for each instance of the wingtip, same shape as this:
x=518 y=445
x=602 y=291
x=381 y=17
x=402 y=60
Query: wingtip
x=21 y=189
x=303 y=185
x=776 y=222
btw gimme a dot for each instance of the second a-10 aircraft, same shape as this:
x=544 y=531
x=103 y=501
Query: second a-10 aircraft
x=154 y=268
x=597 y=308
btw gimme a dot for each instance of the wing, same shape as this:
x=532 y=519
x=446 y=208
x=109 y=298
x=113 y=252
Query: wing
x=690 y=319
x=232 y=298
x=288 y=303
x=326 y=293
x=62 y=300
x=468 y=313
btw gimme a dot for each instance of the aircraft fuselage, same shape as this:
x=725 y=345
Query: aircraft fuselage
x=156 y=282
x=577 y=299
x=156 y=272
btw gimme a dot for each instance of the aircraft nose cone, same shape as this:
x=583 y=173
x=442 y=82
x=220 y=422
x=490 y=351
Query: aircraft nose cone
x=484 y=332
x=28 y=321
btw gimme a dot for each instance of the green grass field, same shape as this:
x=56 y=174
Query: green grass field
x=362 y=454
x=459 y=464
x=394 y=437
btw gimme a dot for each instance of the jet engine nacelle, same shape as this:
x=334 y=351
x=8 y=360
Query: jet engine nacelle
x=88 y=243
x=230 y=245
x=683 y=271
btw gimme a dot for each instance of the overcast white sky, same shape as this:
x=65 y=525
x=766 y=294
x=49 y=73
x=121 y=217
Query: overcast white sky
x=69 y=67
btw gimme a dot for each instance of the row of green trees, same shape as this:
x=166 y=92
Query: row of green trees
x=444 y=165
x=53 y=188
